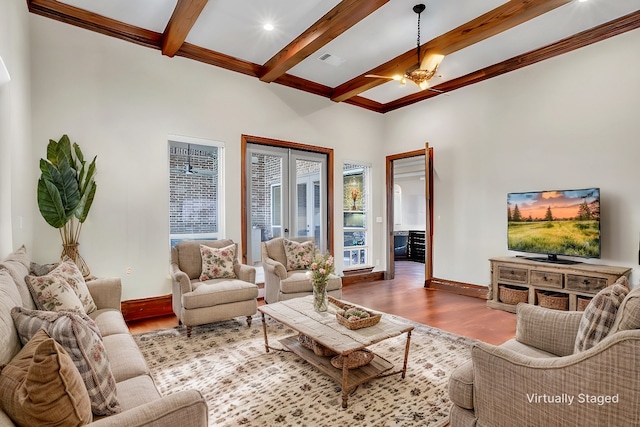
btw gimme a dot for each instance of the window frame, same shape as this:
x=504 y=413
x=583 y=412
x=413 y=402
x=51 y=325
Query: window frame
x=363 y=169
x=220 y=145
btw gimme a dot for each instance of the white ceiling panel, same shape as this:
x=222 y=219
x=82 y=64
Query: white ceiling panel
x=148 y=14
x=235 y=27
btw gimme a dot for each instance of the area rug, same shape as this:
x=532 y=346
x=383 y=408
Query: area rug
x=245 y=386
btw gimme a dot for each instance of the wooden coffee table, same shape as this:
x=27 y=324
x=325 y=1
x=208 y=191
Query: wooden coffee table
x=323 y=328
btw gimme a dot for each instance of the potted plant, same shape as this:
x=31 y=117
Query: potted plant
x=66 y=189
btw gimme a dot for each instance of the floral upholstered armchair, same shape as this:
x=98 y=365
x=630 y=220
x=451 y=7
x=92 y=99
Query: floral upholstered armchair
x=210 y=284
x=285 y=271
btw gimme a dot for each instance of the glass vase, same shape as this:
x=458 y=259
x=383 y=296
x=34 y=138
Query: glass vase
x=320 y=297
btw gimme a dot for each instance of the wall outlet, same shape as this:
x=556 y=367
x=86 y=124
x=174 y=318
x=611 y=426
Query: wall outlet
x=129 y=270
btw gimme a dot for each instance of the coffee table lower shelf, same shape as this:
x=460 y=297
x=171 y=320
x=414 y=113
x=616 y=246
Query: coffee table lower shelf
x=375 y=369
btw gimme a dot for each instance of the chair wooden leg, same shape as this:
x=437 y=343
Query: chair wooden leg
x=188 y=331
x=249 y=319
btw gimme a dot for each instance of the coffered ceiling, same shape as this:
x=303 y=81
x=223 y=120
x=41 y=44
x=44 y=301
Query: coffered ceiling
x=327 y=47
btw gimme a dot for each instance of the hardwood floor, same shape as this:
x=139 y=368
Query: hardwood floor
x=406 y=296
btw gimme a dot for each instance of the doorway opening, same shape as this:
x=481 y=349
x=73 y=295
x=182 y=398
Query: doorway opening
x=410 y=210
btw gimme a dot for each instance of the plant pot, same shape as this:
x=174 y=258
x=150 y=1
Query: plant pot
x=71 y=250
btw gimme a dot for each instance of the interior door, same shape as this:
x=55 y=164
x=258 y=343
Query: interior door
x=286 y=196
x=394 y=209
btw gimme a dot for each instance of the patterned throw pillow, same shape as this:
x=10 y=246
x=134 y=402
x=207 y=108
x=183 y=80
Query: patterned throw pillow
x=599 y=316
x=80 y=337
x=217 y=263
x=41 y=386
x=62 y=289
x=299 y=255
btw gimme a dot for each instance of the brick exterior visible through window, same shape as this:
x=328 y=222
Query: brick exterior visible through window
x=193 y=197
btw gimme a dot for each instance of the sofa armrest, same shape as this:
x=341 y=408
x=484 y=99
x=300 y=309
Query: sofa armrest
x=245 y=272
x=275 y=267
x=553 y=331
x=184 y=408
x=106 y=292
x=180 y=277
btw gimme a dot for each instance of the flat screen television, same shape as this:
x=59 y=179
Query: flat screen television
x=555 y=223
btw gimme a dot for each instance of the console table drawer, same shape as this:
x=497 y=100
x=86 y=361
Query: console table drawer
x=546 y=278
x=519 y=275
x=585 y=283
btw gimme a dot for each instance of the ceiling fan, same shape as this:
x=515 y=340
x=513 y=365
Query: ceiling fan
x=424 y=70
x=188 y=169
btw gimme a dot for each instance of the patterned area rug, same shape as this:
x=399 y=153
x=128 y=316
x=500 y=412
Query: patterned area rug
x=245 y=386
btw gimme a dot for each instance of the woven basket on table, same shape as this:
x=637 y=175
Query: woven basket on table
x=358 y=359
x=318 y=349
x=373 y=318
x=512 y=295
x=554 y=300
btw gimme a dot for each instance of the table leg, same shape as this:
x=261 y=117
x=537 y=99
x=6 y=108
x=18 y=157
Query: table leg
x=406 y=354
x=345 y=379
x=264 y=330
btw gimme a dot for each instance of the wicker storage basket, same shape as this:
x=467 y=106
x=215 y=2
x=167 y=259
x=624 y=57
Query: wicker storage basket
x=359 y=358
x=318 y=349
x=583 y=302
x=512 y=294
x=373 y=318
x=554 y=300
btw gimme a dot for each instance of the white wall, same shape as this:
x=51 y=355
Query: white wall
x=568 y=122
x=16 y=210
x=414 y=204
x=120 y=101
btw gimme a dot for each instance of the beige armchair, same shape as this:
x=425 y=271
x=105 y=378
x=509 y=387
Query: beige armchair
x=282 y=283
x=197 y=302
x=536 y=379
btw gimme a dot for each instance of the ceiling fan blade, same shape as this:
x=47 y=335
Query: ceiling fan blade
x=438 y=91
x=375 y=76
x=431 y=61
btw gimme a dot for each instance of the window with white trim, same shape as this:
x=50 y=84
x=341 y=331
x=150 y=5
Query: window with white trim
x=195 y=189
x=356 y=215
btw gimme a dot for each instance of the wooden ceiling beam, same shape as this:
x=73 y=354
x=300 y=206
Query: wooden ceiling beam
x=91 y=21
x=184 y=16
x=343 y=16
x=504 y=17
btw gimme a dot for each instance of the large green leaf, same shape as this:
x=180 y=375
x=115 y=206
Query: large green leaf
x=85 y=202
x=50 y=204
x=85 y=180
x=69 y=189
x=60 y=151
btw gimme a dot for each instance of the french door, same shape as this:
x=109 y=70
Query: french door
x=286 y=192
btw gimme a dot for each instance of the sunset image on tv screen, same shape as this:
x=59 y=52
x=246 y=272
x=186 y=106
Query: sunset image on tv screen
x=555 y=222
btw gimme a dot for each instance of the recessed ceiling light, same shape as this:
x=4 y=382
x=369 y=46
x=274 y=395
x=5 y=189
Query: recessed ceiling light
x=268 y=27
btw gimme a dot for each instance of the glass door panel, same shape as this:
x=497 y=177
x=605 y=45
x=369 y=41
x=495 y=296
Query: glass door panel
x=309 y=204
x=267 y=189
